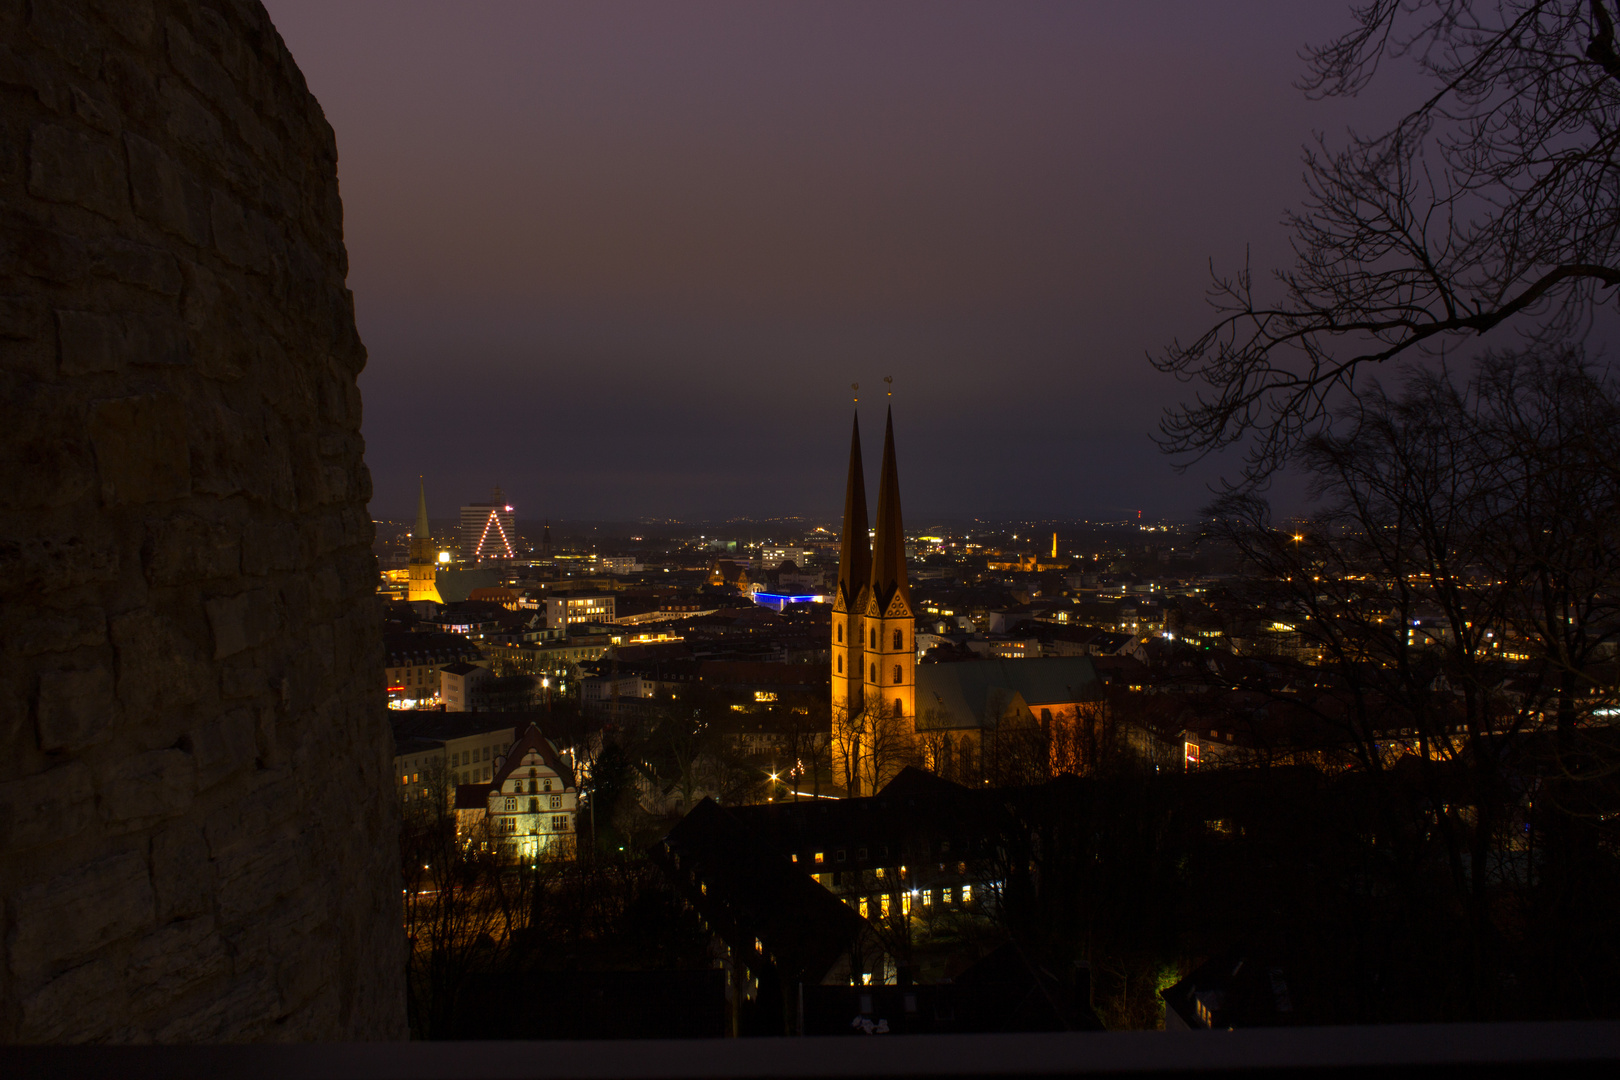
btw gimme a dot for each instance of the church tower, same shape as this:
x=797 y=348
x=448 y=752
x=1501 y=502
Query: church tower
x=854 y=572
x=891 y=649
x=423 y=568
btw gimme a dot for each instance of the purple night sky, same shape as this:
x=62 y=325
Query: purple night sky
x=626 y=259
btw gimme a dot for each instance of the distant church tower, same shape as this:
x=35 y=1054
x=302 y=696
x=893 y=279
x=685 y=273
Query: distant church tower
x=873 y=624
x=891 y=653
x=854 y=574
x=423 y=566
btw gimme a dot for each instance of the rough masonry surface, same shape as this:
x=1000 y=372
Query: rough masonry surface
x=197 y=833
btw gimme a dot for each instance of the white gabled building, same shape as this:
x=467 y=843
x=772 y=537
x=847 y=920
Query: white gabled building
x=533 y=802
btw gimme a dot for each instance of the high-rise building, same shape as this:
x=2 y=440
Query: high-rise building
x=423 y=564
x=874 y=676
x=488 y=530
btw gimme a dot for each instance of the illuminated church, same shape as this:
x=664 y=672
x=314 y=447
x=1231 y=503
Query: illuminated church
x=874 y=675
x=978 y=720
x=424 y=561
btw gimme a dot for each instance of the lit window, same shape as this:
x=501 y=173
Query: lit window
x=818 y=858
x=967 y=894
x=945 y=896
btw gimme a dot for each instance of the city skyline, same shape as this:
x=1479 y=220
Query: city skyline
x=627 y=733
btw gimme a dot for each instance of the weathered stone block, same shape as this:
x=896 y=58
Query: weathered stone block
x=137 y=264
x=182 y=876
x=51 y=806
x=92 y=341
x=236 y=235
x=131 y=19
x=244 y=1011
x=42 y=563
x=242 y=682
x=77 y=912
x=224 y=746
x=94 y=110
x=150 y=785
x=66 y=165
x=75 y=708
x=161 y=194
x=73 y=1006
x=159 y=665
x=54 y=256
x=187 y=548
x=39 y=631
x=269 y=547
x=177 y=958
x=88 y=342
x=140 y=447
x=21 y=318
x=251 y=879
x=242 y=621
x=259 y=817
x=189 y=122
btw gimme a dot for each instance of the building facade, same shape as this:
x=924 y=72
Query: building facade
x=565 y=609
x=488 y=530
x=533 y=802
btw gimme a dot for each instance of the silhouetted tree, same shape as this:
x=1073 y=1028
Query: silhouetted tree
x=1460 y=582
x=1492 y=202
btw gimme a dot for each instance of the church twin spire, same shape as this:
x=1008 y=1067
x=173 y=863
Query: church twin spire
x=873 y=638
x=854 y=552
x=878 y=565
x=889 y=541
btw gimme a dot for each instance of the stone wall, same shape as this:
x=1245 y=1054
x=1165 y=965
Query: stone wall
x=197 y=834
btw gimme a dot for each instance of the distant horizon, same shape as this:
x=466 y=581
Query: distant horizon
x=640 y=261
x=792 y=525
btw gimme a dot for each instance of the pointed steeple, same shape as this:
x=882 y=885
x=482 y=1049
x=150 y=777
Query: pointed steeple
x=855 y=552
x=421 y=530
x=889 y=543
